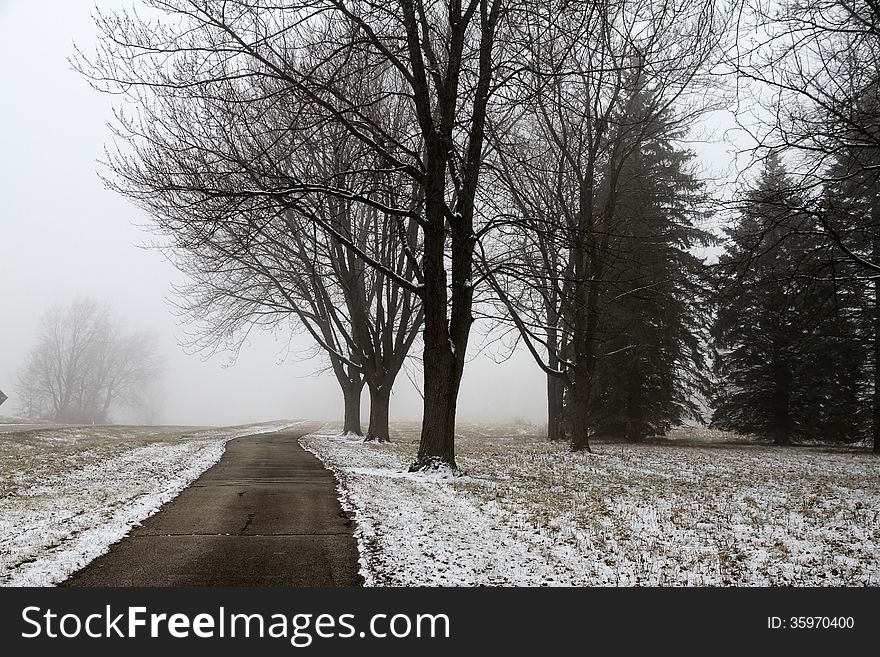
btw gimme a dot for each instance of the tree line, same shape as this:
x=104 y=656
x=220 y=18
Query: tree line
x=381 y=174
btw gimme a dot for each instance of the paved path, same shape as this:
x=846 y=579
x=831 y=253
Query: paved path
x=265 y=515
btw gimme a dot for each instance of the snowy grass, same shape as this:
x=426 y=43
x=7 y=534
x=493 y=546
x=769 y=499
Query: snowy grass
x=699 y=508
x=67 y=494
x=14 y=419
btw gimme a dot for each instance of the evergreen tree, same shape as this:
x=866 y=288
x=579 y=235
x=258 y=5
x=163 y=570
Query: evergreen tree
x=851 y=214
x=788 y=356
x=652 y=355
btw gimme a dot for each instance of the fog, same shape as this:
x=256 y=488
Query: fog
x=62 y=235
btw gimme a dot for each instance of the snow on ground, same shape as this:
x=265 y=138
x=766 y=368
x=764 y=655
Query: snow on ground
x=697 y=509
x=14 y=419
x=67 y=494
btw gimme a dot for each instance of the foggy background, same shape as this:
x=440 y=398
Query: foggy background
x=62 y=235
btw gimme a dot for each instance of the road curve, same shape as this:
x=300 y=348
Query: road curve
x=266 y=514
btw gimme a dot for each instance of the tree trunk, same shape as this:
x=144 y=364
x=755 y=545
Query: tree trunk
x=380 y=400
x=555 y=428
x=587 y=272
x=782 y=439
x=445 y=335
x=443 y=356
x=585 y=334
x=781 y=416
x=876 y=400
x=580 y=408
x=636 y=427
x=351 y=394
x=437 y=445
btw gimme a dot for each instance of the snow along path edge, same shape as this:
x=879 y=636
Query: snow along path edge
x=362 y=526
x=424 y=528
x=73 y=551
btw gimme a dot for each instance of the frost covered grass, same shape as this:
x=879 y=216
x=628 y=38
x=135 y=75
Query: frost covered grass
x=699 y=508
x=67 y=494
x=14 y=419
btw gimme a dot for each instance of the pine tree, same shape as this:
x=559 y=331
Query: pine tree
x=851 y=213
x=788 y=357
x=652 y=355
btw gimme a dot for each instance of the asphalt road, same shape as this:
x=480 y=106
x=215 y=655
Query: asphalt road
x=265 y=515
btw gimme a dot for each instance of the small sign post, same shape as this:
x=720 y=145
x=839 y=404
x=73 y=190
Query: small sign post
x=3 y=398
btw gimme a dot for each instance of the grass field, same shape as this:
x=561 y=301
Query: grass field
x=699 y=508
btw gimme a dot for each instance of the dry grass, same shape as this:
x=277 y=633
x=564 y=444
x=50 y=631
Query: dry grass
x=33 y=458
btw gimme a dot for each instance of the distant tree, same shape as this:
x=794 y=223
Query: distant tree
x=147 y=404
x=789 y=357
x=85 y=366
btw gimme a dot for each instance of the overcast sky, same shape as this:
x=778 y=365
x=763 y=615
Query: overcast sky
x=62 y=235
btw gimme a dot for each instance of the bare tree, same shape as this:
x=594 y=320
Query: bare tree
x=84 y=365
x=147 y=404
x=813 y=66
x=261 y=261
x=363 y=322
x=443 y=59
x=816 y=69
